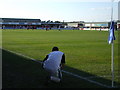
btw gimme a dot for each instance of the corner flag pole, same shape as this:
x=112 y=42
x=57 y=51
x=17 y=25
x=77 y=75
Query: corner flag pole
x=112 y=43
x=112 y=63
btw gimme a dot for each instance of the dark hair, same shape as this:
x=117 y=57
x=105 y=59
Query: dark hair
x=55 y=49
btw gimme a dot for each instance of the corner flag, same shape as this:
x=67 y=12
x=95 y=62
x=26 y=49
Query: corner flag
x=111 y=33
x=110 y=41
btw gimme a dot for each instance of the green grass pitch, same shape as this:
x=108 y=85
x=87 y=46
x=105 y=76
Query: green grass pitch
x=86 y=51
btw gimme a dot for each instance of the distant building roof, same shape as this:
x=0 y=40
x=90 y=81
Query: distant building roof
x=19 y=19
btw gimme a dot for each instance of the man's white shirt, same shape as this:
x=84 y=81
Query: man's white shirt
x=54 y=60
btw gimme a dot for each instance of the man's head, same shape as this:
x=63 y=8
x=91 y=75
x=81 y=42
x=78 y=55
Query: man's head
x=55 y=49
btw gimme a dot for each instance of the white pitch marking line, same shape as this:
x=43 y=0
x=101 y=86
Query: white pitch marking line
x=75 y=75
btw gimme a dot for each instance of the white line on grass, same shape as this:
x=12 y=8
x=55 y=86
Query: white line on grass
x=75 y=75
x=109 y=76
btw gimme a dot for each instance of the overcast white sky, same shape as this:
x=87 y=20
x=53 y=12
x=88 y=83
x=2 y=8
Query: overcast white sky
x=67 y=10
